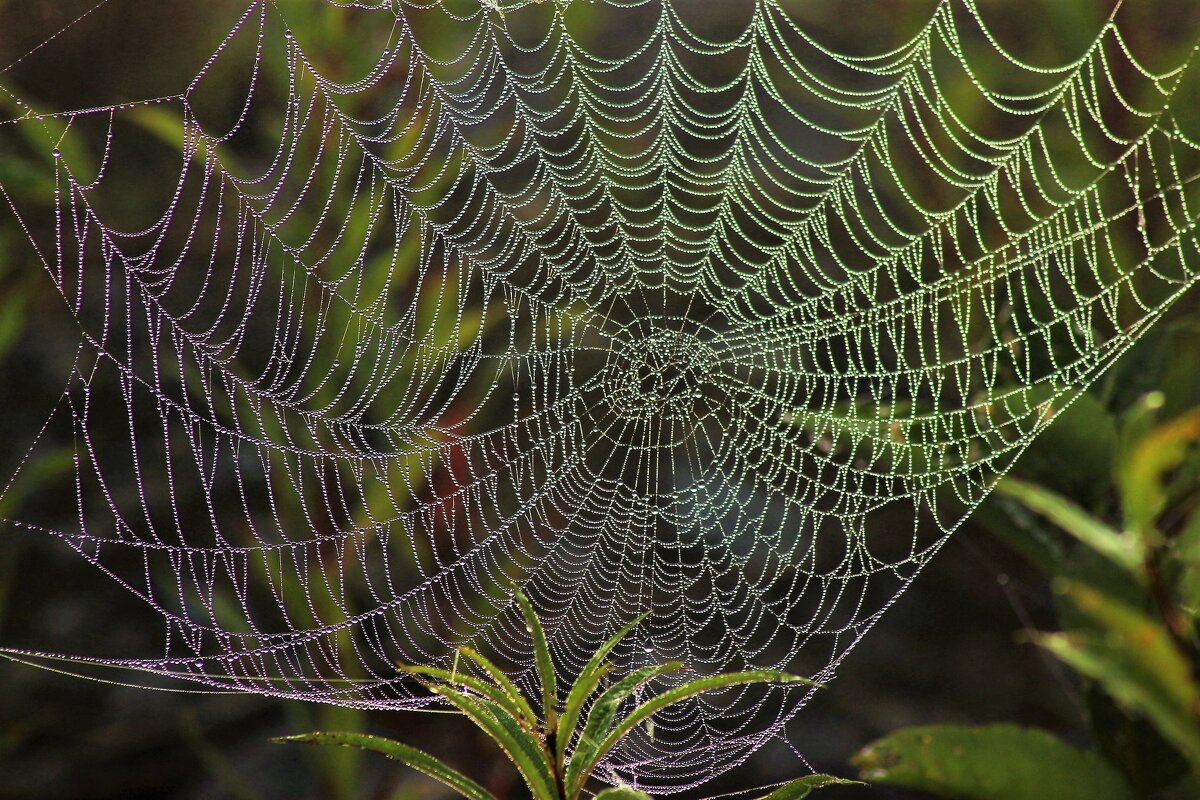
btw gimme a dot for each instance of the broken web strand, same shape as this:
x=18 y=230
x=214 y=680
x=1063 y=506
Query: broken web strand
x=635 y=330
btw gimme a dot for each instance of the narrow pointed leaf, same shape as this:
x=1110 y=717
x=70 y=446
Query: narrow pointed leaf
x=455 y=680
x=1141 y=478
x=681 y=693
x=502 y=681
x=1122 y=549
x=585 y=685
x=801 y=787
x=621 y=793
x=521 y=747
x=1136 y=661
x=411 y=756
x=545 y=665
x=600 y=722
x=583 y=688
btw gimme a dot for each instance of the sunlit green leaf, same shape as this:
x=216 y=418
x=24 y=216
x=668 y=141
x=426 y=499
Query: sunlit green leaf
x=621 y=793
x=997 y=762
x=801 y=787
x=600 y=722
x=521 y=746
x=503 y=682
x=460 y=679
x=417 y=759
x=1124 y=549
x=681 y=693
x=1143 y=494
x=545 y=666
x=1136 y=661
x=584 y=686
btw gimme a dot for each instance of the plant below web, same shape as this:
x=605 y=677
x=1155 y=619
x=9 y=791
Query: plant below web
x=541 y=747
x=1127 y=581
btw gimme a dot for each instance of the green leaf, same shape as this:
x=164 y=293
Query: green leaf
x=502 y=681
x=600 y=721
x=1135 y=660
x=621 y=793
x=1186 y=550
x=1123 y=549
x=584 y=686
x=521 y=747
x=681 y=693
x=801 y=787
x=1143 y=495
x=417 y=759
x=997 y=762
x=545 y=666
x=496 y=694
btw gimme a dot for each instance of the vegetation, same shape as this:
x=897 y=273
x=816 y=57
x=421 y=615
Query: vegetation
x=1126 y=579
x=541 y=745
x=1104 y=506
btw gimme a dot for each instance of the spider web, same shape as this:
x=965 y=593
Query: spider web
x=640 y=307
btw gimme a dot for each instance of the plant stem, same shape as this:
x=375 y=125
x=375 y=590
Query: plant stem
x=556 y=766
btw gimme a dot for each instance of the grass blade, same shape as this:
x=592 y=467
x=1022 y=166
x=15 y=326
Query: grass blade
x=522 y=747
x=801 y=787
x=417 y=759
x=584 y=686
x=502 y=681
x=1134 y=658
x=496 y=694
x=600 y=721
x=681 y=693
x=1123 y=549
x=545 y=666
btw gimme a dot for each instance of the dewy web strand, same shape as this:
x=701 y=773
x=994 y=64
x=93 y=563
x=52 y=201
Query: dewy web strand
x=733 y=328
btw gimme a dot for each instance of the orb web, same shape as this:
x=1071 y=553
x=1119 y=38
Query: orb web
x=631 y=309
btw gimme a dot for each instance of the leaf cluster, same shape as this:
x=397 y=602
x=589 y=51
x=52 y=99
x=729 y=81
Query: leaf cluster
x=1125 y=566
x=559 y=750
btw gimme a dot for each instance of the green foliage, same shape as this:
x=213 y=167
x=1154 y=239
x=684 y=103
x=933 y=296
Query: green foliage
x=417 y=759
x=1123 y=549
x=802 y=787
x=1134 y=659
x=1127 y=582
x=541 y=747
x=998 y=762
x=621 y=793
x=545 y=666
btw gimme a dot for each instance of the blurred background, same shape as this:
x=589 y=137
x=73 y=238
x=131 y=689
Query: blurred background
x=954 y=648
